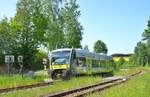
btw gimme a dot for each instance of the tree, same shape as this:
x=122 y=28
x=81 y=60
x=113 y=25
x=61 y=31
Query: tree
x=146 y=37
x=28 y=26
x=140 y=53
x=86 y=48
x=71 y=26
x=142 y=50
x=40 y=21
x=50 y=23
x=5 y=39
x=38 y=60
x=146 y=33
x=100 y=47
x=64 y=29
x=54 y=37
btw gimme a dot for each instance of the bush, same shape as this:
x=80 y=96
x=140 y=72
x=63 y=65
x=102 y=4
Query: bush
x=37 y=62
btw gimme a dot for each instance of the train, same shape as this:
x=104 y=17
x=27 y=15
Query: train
x=68 y=62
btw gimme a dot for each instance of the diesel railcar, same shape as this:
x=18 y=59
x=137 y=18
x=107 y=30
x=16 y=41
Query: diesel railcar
x=65 y=63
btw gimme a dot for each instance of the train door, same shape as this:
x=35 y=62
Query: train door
x=73 y=62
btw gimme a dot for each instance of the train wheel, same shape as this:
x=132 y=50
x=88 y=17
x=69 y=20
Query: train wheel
x=66 y=75
x=54 y=75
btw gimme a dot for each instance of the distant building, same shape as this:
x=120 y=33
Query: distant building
x=118 y=57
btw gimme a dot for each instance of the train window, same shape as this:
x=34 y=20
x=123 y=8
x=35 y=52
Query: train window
x=94 y=63
x=88 y=62
x=82 y=61
x=73 y=54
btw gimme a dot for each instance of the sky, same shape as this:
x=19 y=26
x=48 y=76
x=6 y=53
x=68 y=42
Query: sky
x=118 y=23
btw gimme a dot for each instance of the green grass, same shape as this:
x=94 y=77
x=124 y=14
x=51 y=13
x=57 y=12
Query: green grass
x=127 y=71
x=137 y=87
x=58 y=86
x=18 y=80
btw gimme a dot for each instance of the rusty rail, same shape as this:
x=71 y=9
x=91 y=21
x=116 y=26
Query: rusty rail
x=5 y=90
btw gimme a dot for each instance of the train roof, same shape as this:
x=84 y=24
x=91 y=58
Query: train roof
x=63 y=49
x=86 y=53
x=96 y=56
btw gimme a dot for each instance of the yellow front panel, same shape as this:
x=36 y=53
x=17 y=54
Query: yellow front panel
x=64 y=66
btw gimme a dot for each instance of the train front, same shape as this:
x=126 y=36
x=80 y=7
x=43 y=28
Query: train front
x=60 y=64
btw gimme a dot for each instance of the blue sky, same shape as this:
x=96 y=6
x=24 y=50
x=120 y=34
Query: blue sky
x=119 y=23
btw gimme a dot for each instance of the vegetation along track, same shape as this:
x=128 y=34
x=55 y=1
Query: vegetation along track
x=5 y=90
x=92 y=88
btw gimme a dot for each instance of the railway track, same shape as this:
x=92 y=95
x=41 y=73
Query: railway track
x=5 y=90
x=79 y=92
x=75 y=92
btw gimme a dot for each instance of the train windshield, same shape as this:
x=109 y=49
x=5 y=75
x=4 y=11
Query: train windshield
x=60 y=57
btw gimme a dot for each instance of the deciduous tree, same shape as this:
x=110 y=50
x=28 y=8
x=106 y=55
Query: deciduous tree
x=28 y=26
x=142 y=50
x=100 y=47
x=71 y=25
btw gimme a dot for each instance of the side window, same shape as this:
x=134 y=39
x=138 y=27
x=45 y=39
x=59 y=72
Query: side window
x=89 y=62
x=73 y=54
x=82 y=61
x=94 y=63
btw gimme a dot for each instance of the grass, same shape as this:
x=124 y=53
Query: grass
x=63 y=85
x=18 y=80
x=58 y=86
x=127 y=71
x=137 y=87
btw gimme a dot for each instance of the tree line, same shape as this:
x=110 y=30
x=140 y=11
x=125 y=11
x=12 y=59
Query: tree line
x=52 y=24
x=40 y=23
x=141 y=55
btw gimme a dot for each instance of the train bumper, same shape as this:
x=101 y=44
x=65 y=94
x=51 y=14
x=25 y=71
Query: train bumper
x=54 y=67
